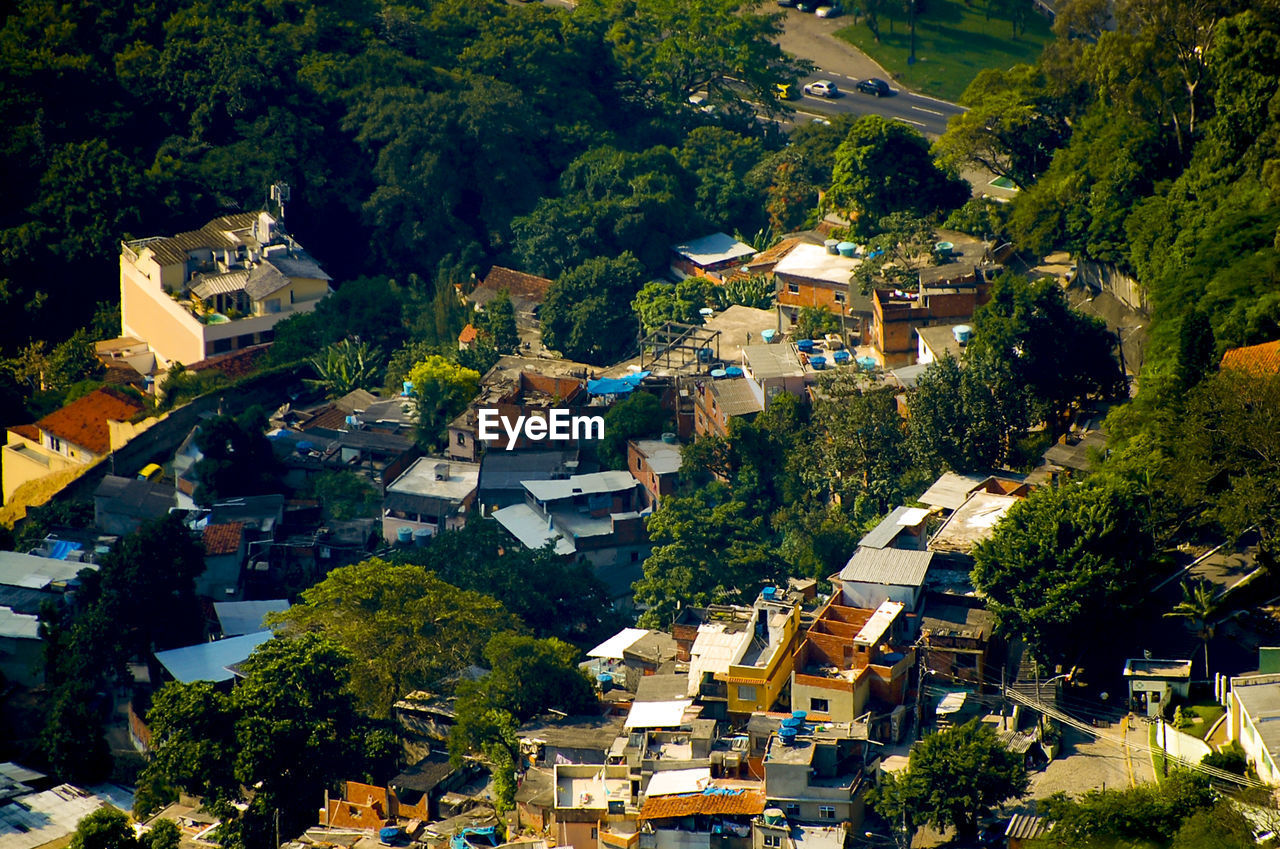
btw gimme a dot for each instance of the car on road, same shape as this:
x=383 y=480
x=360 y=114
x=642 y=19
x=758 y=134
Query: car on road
x=875 y=86
x=835 y=10
x=822 y=88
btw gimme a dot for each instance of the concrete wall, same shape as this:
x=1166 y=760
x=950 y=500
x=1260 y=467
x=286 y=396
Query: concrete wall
x=1108 y=278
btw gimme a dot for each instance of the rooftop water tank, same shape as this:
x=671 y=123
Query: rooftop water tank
x=847 y=248
x=962 y=332
x=805 y=346
x=774 y=816
x=404 y=535
x=787 y=736
x=799 y=714
x=421 y=537
x=832 y=246
x=706 y=312
x=605 y=680
x=841 y=357
x=733 y=371
x=717 y=373
x=768 y=335
x=818 y=363
x=769 y=592
x=669 y=438
x=408 y=388
x=792 y=723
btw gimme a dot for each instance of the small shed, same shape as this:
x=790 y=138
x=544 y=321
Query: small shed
x=1153 y=682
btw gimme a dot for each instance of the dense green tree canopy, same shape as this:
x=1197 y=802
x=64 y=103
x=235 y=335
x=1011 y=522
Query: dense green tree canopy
x=237 y=459
x=587 y=315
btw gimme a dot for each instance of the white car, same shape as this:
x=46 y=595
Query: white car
x=822 y=88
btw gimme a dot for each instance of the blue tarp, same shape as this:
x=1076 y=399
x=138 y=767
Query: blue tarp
x=62 y=548
x=616 y=385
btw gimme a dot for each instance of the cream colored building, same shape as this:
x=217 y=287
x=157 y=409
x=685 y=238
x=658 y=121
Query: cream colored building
x=217 y=289
x=79 y=434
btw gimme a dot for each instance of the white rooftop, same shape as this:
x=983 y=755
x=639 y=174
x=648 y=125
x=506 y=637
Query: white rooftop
x=972 y=522
x=672 y=782
x=524 y=523
x=872 y=632
x=657 y=714
x=209 y=661
x=28 y=570
x=38 y=819
x=950 y=490
x=461 y=479
x=597 y=483
x=814 y=263
x=613 y=647
x=713 y=651
x=245 y=617
x=716 y=248
x=19 y=626
x=663 y=458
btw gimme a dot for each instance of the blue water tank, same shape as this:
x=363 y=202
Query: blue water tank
x=767 y=336
x=404 y=535
x=787 y=736
x=421 y=537
x=846 y=248
x=769 y=592
x=841 y=357
x=819 y=363
x=805 y=346
x=408 y=388
x=962 y=332
x=799 y=714
x=605 y=680
x=792 y=723
x=733 y=371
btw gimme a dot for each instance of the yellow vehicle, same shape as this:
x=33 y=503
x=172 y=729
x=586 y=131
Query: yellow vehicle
x=151 y=472
x=786 y=91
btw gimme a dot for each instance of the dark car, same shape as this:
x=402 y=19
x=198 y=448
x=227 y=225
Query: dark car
x=875 y=86
x=787 y=3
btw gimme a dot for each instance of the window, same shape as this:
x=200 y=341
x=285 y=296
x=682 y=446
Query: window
x=839 y=297
x=635 y=556
x=793 y=288
x=793 y=811
x=746 y=693
x=966 y=661
x=220 y=346
x=826 y=812
x=595 y=833
x=244 y=340
x=272 y=305
x=773 y=840
x=462 y=439
x=55 y=443
x=819 y=706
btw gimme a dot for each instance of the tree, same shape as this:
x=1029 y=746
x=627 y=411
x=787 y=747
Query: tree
x=1064 y=563
x=441 y=390
x=1196 y=348
x=896 y=254
x=72 y=360
x=498 y=321
x=1011 y=128
x=884 y=166
x=954 y=778
x=965 y=416
x=404 y=627
x=816 y=322
x=1223 y=826
x=726 y=197
x=641 y=414
x=660 y=302
x=1199 y=606
x=752 y=290
x=105 y=828
x=1146 y=815
x=708 y=548
x=567 y=601
x=165 y=834
x=237 y=457
x=345 y=495
x=345 y=366
x=587 y=313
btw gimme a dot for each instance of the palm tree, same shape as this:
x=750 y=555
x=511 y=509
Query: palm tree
x=1200 y=604
x=345 y=366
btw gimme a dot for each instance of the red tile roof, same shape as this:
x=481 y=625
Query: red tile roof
x=1260 y=359
x=518 y=283
x=223 y=539
x=27 y=432
x=468 y=335
x=83 y=422
x=743 y=802
x=235 y=364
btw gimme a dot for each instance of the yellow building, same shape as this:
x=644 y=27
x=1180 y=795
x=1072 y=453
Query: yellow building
x=79 y=434
x=217 y=289
x=760 y=668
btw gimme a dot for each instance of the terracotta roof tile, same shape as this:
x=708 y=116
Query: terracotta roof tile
x=83 y=422
x=28 y=431
x=468 y=335
x=518 y=283
x=1260 y=359
x=223 y=539
x=743 y=802
x=235 y=364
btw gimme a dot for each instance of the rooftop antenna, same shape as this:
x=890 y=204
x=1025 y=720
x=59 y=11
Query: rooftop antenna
x=280 y=194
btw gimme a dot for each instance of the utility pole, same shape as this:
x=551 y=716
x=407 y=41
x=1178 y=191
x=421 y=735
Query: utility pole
x=1004 y=700
x=920 y=651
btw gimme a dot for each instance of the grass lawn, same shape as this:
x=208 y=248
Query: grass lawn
x=1157 y=754
x=1208 y=715
x=953 y=43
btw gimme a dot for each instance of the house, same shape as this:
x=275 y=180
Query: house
x=772 y=831
x=898 y=318
x=549 y=740
x=77 y=435
x=236 y=618
x=810 y=276
x=974 y=521
x=210 y=661
x=610 y=656
x=959 y=635
x=760 y=668
x=656 y=464
x=715 y=257
x=127 y=356
x=501 y=473
x=422 y=787
x=934 y=343
x=719 y=815
x=514 y=389
x=431 y=496
x=21 y=649
x=876 y=575
x=224 y=552
x=217 y=289
x=527 y=292
x=905 y=527
x=1252 y=710
x=32 y=819
x=588 y=797
x=593 y=518
x=950 y=490
x=765 y=261
x=121 y=505
x=817 y=772
x=369 y=807
x=717 y=402
x=850 y=657
x=1153 y=682
x=1259 y=360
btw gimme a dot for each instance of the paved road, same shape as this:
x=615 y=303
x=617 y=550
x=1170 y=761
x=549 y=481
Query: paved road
x=813 y=38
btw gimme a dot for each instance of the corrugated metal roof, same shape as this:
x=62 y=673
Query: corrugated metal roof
x=614 y=646
x=220 y=284
x=19 y=626
x=657 y=714
x=597 y=483
x=735 y=397
x=713 y=650
x=950 y=490
x=264 y=280
x=209 y=661
x=973 y=522
x=895 y=566
x=28 y=570
x=245 y=617
x=883 y=534
x=524 y=524
x=713 y=249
